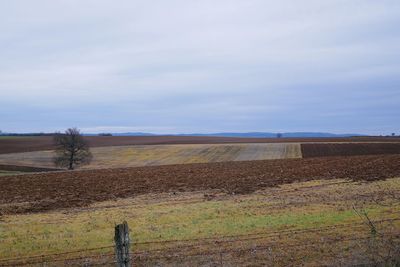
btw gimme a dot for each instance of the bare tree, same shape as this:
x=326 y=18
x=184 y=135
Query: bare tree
x=71 y=149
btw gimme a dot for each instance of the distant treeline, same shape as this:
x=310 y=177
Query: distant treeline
x=46 y=134
x=27 y=134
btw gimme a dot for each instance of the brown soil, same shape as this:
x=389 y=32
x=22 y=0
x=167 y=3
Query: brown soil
x=37 y=143
x=48 y=191
x=349 y=149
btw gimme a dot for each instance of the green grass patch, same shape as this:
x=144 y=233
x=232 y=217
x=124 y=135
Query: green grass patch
x=35 y=234
x=5 y=137
x=7 y=173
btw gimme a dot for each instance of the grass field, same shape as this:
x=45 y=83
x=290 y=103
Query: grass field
x=6 y=137
x=150 y=155
x=211 y=219
x=7 y=173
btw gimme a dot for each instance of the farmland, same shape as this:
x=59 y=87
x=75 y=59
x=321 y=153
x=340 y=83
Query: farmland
x=53 y=190
x=348 y=149
x=38 y=143
x=148 y=155
x=243 y=214
x=144 y=151
x=229 y=204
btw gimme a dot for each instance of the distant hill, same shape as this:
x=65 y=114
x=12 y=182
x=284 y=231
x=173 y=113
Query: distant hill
x=228 y=134
x=125 y=134
x=248 y=135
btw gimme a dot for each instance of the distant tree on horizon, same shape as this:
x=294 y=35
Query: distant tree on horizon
x=71 y=149
x=105 y=134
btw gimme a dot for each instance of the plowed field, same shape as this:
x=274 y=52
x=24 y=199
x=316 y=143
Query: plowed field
x=349 y=149
x=48 y=191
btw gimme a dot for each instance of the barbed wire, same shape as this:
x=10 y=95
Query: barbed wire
x=226 y=251
x=203 y=253
x=248 y=237
x=53 y=260
x=264 y=233
x=218 y=242
x=57 y=254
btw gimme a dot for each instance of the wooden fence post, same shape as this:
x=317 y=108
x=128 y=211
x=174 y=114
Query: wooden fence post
x=122 y=245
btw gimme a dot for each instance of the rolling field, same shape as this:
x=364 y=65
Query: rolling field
x=229 y=204
x=154 y=155
x=11 y=144
x=150 y=155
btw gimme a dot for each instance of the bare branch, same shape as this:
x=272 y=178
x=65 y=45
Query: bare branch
x=364 y=215
x=71 y=149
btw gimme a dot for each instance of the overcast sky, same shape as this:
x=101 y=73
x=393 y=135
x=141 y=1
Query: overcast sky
x=182 y=66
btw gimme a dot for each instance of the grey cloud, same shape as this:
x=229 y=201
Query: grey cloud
x=200 y=66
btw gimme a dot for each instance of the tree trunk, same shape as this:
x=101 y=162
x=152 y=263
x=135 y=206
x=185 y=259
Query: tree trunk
x=71 y=161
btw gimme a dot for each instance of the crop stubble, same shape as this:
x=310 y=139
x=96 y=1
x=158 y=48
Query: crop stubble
x=151 y=155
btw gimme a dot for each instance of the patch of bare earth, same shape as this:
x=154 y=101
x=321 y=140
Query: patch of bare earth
x=348 y=149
